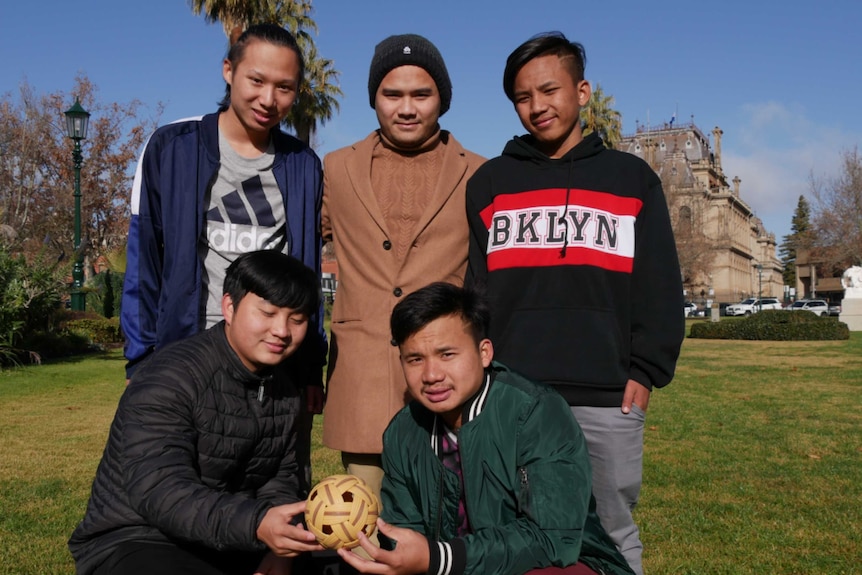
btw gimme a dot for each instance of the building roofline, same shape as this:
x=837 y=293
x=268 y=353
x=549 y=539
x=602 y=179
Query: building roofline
x=665 y=129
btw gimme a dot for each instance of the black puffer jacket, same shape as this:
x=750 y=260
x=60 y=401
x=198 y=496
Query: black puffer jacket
x=199 y=450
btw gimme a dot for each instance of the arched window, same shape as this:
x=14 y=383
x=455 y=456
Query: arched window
x=684 y=223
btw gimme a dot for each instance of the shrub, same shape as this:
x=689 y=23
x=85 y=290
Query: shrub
x=53 y=345
x=103 y=293
x=99 y=330
x=774 y=325
x=29 y=295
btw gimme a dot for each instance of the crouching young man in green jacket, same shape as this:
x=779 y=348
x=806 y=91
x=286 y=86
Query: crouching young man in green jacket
x=482 y=474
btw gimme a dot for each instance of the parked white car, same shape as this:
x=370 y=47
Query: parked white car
x=818 y=306
x=753 y=305
x=689 y=309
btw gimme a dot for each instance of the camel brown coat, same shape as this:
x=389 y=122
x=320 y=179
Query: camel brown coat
x=366 y=385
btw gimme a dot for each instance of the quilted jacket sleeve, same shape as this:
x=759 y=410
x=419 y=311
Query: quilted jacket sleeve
x=159 y=467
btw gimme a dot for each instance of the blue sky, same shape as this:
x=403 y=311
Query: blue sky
x=783 y=83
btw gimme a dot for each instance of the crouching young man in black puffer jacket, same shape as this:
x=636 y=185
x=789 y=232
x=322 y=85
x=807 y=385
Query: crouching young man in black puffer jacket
x=199 y=474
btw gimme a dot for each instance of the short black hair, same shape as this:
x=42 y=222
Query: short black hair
x=544 y=44
x=271 y=33
x=438 y=300
x=280 y=279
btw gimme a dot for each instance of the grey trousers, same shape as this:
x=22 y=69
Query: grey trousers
x=615 y=443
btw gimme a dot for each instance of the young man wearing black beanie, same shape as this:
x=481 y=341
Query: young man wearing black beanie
x=393 y=206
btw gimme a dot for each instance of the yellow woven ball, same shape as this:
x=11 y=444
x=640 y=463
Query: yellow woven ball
x=338 y=508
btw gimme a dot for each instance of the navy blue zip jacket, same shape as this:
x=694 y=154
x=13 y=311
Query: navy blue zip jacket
x=162 y=299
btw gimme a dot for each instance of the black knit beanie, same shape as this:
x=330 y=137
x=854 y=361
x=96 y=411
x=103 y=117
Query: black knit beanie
x=407 y=50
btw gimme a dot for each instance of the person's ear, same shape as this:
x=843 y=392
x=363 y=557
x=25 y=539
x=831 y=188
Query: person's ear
x=227 y=308
x=227 y=71
x=584 y=92
x=486 y=352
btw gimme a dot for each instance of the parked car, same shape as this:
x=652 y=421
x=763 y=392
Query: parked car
x=689 y=309
x=835 y=309
x=817 y=306
x=753 y=305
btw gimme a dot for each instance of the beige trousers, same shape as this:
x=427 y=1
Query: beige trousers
x=369 y=468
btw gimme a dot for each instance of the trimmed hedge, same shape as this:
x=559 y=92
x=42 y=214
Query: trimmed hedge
x=774 y=325
x=100 y=330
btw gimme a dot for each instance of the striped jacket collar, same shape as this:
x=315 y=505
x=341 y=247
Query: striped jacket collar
x=471 y=410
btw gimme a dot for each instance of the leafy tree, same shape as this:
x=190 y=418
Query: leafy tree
x=317 y=99
x=696 y=250
x=690 y=218
x=103 y=293
x=838 y=213
x=599 y=116
x=799 y=238
x=37 y=175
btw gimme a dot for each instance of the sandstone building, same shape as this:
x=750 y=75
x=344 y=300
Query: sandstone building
x=725 y=252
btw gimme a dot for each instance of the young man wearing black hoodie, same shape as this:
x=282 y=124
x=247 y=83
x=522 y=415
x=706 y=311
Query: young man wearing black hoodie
x=574 y=246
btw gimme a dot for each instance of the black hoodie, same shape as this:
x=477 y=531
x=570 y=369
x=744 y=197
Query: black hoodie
x=587 y=301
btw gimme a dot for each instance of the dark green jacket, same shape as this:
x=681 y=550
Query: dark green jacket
x=526 y=481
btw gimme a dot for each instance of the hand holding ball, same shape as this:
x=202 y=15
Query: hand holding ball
x=338 y=508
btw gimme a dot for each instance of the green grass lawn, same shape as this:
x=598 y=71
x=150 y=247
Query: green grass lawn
x=753 y=459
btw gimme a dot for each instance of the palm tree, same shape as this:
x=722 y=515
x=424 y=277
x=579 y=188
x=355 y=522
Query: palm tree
x=317 y=100
x=224 y=11
x=318 y=95
x=237 y=15
x=295 y=15
x=598 y=116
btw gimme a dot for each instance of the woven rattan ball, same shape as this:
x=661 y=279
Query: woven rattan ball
x=338 y=508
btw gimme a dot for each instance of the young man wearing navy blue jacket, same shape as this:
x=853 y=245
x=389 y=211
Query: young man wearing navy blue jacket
x=209 y=189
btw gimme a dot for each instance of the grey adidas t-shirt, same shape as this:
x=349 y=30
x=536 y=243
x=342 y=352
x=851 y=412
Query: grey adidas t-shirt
x=245 y=214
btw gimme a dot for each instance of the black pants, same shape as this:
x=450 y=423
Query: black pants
x=304 y=425
x=152 y=558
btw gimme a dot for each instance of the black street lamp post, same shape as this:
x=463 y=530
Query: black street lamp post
x=77 y=120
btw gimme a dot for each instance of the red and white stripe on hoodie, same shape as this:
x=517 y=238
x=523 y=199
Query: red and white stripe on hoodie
x=529 y=229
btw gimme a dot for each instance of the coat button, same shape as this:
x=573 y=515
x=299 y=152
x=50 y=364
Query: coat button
x=397 y=292
x=387 y=245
